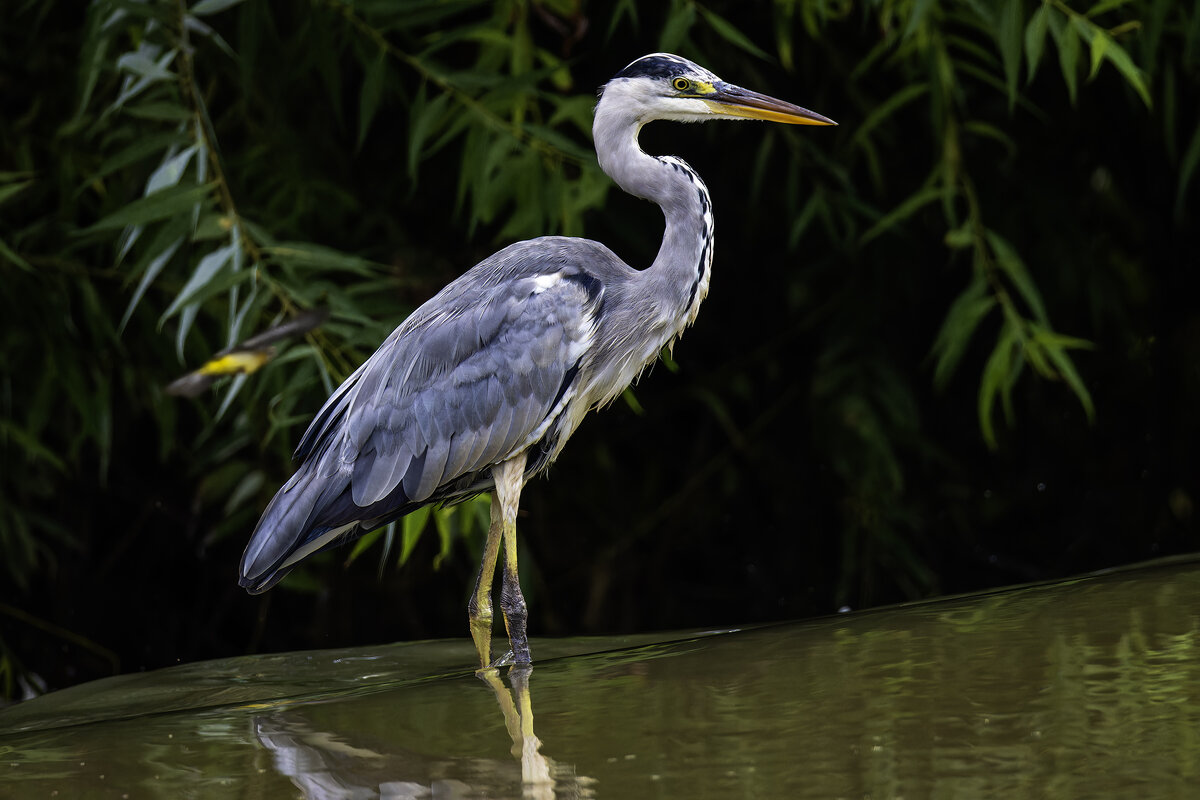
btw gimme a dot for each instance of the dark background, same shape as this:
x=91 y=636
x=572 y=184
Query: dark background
x=797 y=459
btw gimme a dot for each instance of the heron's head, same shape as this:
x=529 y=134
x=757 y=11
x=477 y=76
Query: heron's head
x=665 y=86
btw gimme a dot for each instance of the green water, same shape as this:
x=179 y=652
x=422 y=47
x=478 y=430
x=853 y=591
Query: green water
x=1088 y=688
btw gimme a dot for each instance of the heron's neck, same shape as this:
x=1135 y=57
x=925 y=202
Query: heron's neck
x=679 y=275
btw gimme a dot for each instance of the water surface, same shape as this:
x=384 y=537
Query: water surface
x=1086 y=688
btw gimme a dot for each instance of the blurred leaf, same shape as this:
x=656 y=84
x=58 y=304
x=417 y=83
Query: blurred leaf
x=155 y=265
x=208 y=269
x=369 y=96
x=304 y=255
x=13 y=257
x=989 y=131
x=914 y=203
x=10 y=189
x=1119 y=58
x=1187 y=170
x=1105 y=6
x=883 y=111
x=412 y=526
x=731 y=34
x=966 y=312
x=680 y=20
x=1008 y=38
x=212 y=6
x=1056 y=346
x=170 y=171
x=1014 y=269
x=1035 y=38
x=160 y=205
x=1000 y=373
x=1067 y=40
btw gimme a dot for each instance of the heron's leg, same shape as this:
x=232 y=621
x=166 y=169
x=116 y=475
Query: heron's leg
x=479 y=607
x=510 y=477
x=512 y=602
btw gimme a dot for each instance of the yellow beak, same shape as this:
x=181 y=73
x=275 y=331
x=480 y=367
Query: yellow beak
x=729 y=100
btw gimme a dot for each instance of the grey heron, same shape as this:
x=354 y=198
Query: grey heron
x=479 y=388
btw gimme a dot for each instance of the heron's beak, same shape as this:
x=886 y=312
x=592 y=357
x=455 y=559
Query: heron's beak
x=729 y=100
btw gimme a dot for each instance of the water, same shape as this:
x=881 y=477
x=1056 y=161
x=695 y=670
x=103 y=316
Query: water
x=1087 y=688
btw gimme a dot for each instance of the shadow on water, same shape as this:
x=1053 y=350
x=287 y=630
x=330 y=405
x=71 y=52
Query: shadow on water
x=1083 y=688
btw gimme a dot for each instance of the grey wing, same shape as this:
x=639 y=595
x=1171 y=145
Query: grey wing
x=465 y=387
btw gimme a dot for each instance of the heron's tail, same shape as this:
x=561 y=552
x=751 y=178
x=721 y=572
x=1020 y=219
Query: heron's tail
x=286 y=532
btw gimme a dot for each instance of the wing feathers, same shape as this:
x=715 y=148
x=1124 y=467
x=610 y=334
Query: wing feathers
x=466 y=382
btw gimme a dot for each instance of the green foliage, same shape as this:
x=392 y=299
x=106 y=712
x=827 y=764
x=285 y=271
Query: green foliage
x=182 y=176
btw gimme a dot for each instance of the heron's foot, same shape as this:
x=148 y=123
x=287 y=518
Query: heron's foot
x=519 y=660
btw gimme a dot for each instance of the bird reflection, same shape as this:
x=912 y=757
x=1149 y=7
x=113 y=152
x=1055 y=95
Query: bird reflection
x=326 y=764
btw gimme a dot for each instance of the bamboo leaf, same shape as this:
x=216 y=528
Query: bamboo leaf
x=999 y=374
x=920 y=9
x=1099 y=45
x=160 y=205
x=13 y=257
x=411 y=528
x=205 y=7
x=964 y=316
x=235 y=386
x=302 y=255
x=1035 y=39
x=157 y=262
x=1119 y=57
x=726 y=30
x=170 y=172
x=12 y=189
x=1008 y=39
x=370 y=94
x=425 y=119
x=906 y=209
x=1104 y=6
x=363 y=544
x=675 y=31
x=186 y=320
x=1066 y=369
x=885 y=109
x=1013 y=267
x=985 y=129
x=1068 y=55
x=142 y=147
x=208 y=268
x=1187 y=169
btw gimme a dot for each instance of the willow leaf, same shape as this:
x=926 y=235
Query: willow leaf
x=152 y=270
x=13 y=257
x=1066 y=369
x=1187 y=169
x=1014 y=268
x=205 y=7
x=170 y=172
x=906 y=209
x=160 y=205
x=412 y=527
x=999 y=374
x=1008 y=39
x=964 y=316
x=1035 y=39
x=727 y=31
x=370 y=94
x=208 y=268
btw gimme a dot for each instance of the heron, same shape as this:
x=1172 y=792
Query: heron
x=479 y=389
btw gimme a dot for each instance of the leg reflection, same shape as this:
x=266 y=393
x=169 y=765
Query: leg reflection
x=536 y=779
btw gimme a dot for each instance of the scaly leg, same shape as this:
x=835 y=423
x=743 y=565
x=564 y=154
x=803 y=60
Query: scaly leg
x=509 y=478
x=512 y=603
x=479 y=607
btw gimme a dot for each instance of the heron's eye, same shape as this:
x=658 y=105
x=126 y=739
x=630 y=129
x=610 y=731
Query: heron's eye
x=681 y=84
